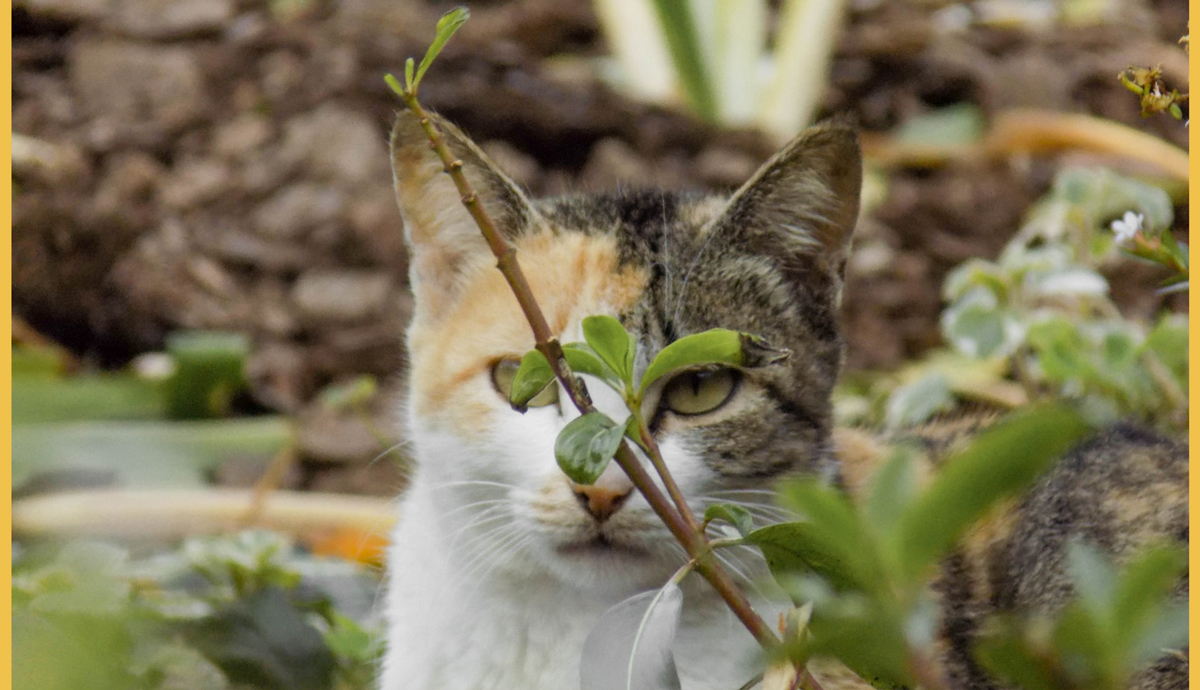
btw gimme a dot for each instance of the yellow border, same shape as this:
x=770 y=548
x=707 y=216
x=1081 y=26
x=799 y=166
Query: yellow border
x=1194 y=623
x=6 y=362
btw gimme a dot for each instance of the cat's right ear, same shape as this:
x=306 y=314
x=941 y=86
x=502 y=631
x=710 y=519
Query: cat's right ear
x=443 y=240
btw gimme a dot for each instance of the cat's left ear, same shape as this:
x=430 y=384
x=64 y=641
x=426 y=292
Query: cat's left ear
x=443 y=239
x=803 y=202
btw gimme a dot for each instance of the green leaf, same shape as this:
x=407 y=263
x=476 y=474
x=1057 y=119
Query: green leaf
x=977 y=325
x=1167 y=631
x=1087 y=652
x=583 y=360
x=891 y=491
x=1002 y=461
x=394 y=84
x=446 y=27
x=532 y=377
x=609 y=340
x=264 y=640
x=408 y=74
x=1005 y=653
x=735 y=515
x=916 y=402
x=586 y=445
x=961 y=124
x=832 y=542
x=1168 y=341
x=865 y=633
x=99 y=397
x=1095 y=579
x=679 y=30
x=798 y=548
x=208 y=372
x=1144 y=585
x=716 y=346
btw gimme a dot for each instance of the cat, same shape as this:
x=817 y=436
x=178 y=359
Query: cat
x=500 y=565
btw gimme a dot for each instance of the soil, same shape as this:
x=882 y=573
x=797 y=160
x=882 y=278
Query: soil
x=222 y=163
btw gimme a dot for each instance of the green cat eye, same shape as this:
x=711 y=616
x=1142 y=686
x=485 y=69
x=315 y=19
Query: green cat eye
x=700 y=392
x=503 y=373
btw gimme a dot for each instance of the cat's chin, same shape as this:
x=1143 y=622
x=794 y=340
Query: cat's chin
x=602 y=546
x=608 y=565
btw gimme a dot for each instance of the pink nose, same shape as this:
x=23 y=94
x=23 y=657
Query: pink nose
x=601 y=502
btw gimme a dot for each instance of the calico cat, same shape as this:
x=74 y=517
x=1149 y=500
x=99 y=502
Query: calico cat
x=500 y=566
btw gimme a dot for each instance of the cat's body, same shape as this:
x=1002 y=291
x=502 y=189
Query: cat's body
x=500 y=566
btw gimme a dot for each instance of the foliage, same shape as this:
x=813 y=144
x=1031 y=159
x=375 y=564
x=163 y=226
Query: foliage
x=1040 y=316
x=1119 y=624
x=212 y=614
x=588 y=443
x=161 y=420
x=716 y=55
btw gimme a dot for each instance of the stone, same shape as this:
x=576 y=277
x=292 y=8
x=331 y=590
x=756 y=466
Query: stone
x=165 y=19
x=194 y=183
x=521 y=167
x=54 y=163
x=243 y=136
x=129 y=86
x=337 y=144
x=297 y=209
x=66 y=10
x=341 y=296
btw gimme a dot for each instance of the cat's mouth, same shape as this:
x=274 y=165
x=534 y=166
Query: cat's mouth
x=600 y=544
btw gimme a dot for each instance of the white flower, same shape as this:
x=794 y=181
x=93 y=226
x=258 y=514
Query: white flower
x=1128 y=226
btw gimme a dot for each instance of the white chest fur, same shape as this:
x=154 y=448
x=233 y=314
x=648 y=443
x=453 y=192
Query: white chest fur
x=504 y=634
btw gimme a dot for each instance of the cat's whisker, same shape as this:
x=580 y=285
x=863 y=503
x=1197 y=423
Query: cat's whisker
x=499 y=535
x=510 y=553
x=489 y=516
x=394 y=447
x=477 y=504
x=477 y=536
x=732 y=565
x=472 y=482
x=500 y=553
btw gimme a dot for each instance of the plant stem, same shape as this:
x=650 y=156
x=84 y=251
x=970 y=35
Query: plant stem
x=685 y=531
x=651 y=445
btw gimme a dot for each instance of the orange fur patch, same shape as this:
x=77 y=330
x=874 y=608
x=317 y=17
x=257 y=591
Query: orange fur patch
x=571 y=275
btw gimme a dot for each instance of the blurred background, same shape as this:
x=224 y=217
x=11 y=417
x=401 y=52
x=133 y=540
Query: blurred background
x=210 y=280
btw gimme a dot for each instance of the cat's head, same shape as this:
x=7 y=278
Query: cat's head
x=768 y=260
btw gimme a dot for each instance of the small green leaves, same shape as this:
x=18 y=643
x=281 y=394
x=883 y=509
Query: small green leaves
x=395 y=85
x=609 y=340
x=583 y=360
x=531 y=378
x=450 y=22
x=735 y=515
x=715 y=346
x=586 y=445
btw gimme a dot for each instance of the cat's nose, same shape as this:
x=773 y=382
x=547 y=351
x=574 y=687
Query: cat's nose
x=601 y=501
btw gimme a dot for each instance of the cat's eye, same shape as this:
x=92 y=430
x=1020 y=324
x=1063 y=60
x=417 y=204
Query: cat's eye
x=700 y=392
x=503 y=373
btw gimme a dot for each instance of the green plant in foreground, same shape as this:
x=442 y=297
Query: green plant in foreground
x=237 y=611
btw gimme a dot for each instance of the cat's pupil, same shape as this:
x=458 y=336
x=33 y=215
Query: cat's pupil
x=700 y=392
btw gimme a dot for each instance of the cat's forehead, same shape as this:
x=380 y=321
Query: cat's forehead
x=644 y=223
